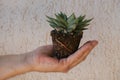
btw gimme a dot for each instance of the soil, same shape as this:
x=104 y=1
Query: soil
x=65 y=44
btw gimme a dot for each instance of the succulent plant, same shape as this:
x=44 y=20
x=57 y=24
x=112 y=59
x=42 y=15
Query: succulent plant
x=67 y=33
x=68 y=24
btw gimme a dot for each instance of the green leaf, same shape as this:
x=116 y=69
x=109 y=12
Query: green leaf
x=83 y=25
x=84 y=28
x=56 y=27
x=51 y=19
x=87 y=21
x=53 y=25
x=71 y=28
x=81 y=18
x=59 y=18
x=56 y=24
x=71 y=18
x=63 y=15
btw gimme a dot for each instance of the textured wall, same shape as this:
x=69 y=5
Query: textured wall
x=23 y=27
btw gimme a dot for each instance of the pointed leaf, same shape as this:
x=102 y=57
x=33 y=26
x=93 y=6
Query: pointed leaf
x=81 y=18
x=71 y=18
x=84 y=28
x=86 y=21
x=59 y=18
x=71 y=28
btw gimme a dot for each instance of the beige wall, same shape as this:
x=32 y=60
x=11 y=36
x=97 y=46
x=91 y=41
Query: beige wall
x=23 y=27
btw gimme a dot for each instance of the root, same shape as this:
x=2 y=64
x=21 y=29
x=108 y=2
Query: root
x=63 y=45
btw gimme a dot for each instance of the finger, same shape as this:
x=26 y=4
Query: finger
x=85 y=54
x=81 y=59
x=79 y=55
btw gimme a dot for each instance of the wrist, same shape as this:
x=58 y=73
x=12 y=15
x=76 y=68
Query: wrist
x=29 y=60
x=20 y=65
x=23 y=65
x=12 y=65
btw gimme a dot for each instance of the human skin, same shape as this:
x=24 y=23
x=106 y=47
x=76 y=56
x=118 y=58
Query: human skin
x=39 y=60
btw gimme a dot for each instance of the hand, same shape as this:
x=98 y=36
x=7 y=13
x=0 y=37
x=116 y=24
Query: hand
x=40 y=60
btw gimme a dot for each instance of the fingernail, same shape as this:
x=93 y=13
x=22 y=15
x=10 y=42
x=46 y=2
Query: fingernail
x=94 y=42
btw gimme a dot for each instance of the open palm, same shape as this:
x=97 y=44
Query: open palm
x=40 y=59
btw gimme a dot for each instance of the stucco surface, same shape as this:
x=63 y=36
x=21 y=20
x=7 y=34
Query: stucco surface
x=23 y=27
